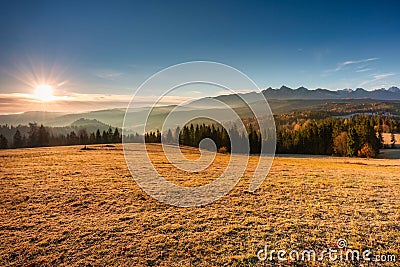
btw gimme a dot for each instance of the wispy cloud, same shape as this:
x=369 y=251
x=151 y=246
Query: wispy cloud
x=340 y=66
x=383 y=75
x=226 y=92
x=363 y=70
x=376 y=77
x=108 y=74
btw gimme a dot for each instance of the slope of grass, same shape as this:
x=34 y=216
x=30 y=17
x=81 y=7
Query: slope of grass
x=62 y=206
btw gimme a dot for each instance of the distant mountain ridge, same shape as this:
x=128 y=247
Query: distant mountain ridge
x=282 y=100
x=392 y=93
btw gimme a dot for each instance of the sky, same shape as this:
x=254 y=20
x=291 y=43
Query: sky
x=95 y=54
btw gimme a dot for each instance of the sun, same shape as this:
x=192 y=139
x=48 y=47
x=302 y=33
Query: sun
x=44 y=92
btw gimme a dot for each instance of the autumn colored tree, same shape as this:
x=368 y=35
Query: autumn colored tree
x=367 y=151
x=340 y=144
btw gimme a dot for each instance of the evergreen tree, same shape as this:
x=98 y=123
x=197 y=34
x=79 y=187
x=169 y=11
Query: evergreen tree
x=92 y=138
x=185 y=136
x=24 y=140
x=116 y=136
x=17 y=140
x=104 y=137
x=109 y=135
x=158 y=136
x=72 y=138
x=178 y=135
x=33 y=139
x=352 y=143
x=3 y=142
x=169 y=138
x=83 y=137
x=43 y=136
x=98 y=137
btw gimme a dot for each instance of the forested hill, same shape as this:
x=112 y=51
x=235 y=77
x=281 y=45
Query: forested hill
x=317 y=108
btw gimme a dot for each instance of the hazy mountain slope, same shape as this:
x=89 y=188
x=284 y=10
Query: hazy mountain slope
x=30 y=116
x=282 y=100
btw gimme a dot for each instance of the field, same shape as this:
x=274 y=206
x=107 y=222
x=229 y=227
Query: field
x=387 y=138
x=63 y=206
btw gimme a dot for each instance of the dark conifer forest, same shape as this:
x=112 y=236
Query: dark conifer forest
x=296 y=133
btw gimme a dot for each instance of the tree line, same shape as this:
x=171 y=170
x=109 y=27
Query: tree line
x=191 y=135
x=39 y=136
x=358 y=136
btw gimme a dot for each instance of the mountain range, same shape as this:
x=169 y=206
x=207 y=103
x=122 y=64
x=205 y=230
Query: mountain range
x=393 y=93
x=282 y=100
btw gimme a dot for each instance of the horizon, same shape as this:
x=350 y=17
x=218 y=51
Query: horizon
x=148 y=104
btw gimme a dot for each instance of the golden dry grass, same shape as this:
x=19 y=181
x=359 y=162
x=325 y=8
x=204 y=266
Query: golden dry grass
x=65 y=207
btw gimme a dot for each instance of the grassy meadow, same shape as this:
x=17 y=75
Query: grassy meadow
x=63 y=206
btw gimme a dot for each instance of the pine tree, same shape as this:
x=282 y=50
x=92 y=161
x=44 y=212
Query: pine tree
x=352 y=143
x=178 y=135
x=33 y=135
x=43 y=136
x=98 y=137
x=158 y=136
x=72 y=138
x=185 y=136
x=83 y=136
x=104 y=137
x=109 y=135
x=3 y=142
x=92 y=138
x=116 y=136
x=17 y=139
x=169 y=138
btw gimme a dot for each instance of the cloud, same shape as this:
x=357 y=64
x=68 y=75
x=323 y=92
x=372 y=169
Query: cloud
x=108 y=74
x=383 y=76
x=363 y=70
x=342 y=65
x=226 y=92
x=77 y=102
x=376 y=77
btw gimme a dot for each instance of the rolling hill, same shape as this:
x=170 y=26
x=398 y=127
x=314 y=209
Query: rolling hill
x=282 y=100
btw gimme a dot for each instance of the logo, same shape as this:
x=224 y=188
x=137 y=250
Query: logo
x=245 y=119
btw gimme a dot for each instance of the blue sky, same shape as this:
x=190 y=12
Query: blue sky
x=111 y=47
